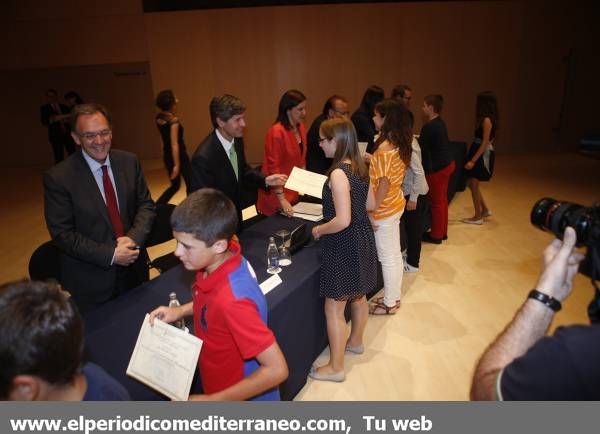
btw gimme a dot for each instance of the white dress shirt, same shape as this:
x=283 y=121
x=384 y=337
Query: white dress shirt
x=414 y=183
x=226 y=144
x=96 y=169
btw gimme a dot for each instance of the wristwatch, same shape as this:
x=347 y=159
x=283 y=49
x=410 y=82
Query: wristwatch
x=545 y=299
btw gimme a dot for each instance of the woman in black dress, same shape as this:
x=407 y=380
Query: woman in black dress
x=362 y=118
x=480 y=159
x=175 y=156
x=349 y=262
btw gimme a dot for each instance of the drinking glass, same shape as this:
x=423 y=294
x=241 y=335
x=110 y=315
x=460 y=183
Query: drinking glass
x=285 y=257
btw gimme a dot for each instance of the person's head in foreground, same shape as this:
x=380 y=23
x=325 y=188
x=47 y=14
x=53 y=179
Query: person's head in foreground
x=41 y=348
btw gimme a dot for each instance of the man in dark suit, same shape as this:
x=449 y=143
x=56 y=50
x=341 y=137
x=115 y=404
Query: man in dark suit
x=335 y=107
x=220 y=160
x=54 y=116
x=99 y=212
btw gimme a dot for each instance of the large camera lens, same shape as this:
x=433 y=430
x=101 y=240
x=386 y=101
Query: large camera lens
x=554 y=216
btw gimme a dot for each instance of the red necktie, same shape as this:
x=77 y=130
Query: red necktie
x=111 y=203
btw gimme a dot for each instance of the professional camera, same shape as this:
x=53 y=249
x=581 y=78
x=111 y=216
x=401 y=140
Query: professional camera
x=554 y=216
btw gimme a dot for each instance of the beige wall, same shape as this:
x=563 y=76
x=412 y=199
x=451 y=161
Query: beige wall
x=453 y=48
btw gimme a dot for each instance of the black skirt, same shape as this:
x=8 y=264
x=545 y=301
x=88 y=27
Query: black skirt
x=481 y=171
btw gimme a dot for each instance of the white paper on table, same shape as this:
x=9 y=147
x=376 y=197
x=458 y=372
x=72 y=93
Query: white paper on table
x=165 y=358
x=306 y=182
x=309 y=217
x=308 y=208
x=362 y=147
x=248 y=213
x=269 y=284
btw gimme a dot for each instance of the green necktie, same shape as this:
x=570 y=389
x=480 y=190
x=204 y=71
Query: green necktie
x=233 y=159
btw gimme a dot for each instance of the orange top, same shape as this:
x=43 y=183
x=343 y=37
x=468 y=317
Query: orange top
x=390 y=165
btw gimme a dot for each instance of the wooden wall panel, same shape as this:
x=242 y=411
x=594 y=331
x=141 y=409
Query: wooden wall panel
x=453 y=48
x=125 y=89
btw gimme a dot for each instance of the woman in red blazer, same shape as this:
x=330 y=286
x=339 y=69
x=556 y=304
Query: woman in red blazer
x=285 y=147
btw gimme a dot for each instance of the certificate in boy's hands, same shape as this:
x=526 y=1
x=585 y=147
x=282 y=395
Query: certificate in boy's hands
x=165 y=358
x=306 y=182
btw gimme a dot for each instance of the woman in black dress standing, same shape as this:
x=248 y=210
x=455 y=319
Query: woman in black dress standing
x=480 y=159
x=175 y=155
x=349 y=263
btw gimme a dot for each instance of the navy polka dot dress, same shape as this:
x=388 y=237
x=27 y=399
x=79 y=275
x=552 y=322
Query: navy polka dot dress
x=349 y=259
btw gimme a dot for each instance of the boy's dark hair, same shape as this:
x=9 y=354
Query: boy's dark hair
x=208 y=214
x=41 y=334
x=88 y=109
x=436 y=101
x=165 y=100
x=288 y=101
x=225 y=107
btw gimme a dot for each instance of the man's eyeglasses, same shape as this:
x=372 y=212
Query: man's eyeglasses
x=92 y=136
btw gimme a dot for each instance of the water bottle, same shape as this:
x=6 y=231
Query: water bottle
x=272 y=257
x=173 y=302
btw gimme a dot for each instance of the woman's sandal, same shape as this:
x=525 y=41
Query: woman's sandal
x=382 y=309
x=379 y=300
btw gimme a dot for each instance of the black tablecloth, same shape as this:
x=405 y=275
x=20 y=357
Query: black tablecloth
x=458 y=179
x=296 y=313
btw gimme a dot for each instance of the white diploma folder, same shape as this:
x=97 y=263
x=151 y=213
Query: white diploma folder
x=306 y=182
x=165 y=359
x=308 y=208
x=308 y=211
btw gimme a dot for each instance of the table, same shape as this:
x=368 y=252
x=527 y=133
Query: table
x=296 y=313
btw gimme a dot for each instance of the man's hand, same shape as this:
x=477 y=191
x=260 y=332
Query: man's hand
x=411 y=206
x=126 y=252
x=126 y=242
x=531 y=322
x=276 y=180
x=559 y=266
x=125 y=256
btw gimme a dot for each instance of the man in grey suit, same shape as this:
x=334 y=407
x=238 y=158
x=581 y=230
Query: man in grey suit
x=99 y=212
